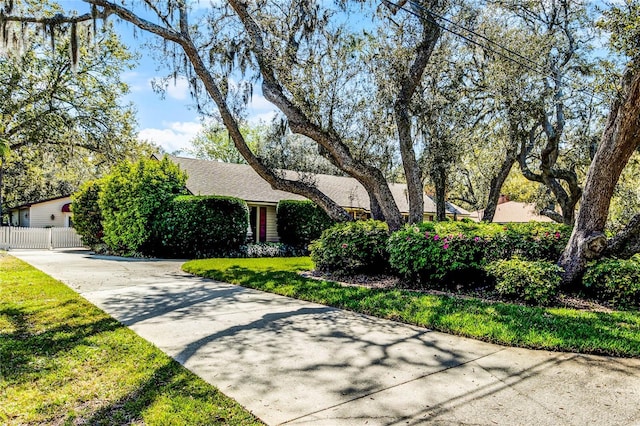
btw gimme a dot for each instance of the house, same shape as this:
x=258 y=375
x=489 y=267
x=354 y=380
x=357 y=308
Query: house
x=512 y=211
x=207 y=177
x=54 y=212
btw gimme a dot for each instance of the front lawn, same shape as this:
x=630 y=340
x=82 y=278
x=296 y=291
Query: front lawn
x=608 y=333
x=64 y=361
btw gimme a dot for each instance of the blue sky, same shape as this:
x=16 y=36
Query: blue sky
x=171 y=122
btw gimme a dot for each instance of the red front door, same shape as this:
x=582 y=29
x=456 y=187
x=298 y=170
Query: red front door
x=263 y=225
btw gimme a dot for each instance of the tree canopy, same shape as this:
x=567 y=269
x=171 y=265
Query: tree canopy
x=376 y=84
x=62 y=119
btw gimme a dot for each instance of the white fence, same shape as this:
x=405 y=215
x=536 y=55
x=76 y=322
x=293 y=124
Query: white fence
x=38 y=238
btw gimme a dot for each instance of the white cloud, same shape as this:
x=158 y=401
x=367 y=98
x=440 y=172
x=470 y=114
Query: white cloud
x=260 y=109
x=135 y=80
x=265 y=117
x=260 y=103
x=175 y=136
x=178 y=88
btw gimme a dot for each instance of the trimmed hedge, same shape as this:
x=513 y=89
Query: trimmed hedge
x=132 y=198
x=301 y=222
x=352 y=248
x=616 y=281
x=87 y=216
x=203 y=226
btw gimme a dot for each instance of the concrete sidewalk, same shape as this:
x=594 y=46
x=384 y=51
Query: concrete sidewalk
x=294 y=362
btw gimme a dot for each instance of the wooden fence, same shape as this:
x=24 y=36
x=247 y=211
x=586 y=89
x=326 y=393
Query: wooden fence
x=38 y=238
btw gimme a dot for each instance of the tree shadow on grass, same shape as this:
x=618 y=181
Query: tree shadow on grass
x=169 y=383
x=19 y=347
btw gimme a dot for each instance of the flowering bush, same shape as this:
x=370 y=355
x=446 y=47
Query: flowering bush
x=430 y=252
x=530 y=241
x=268 y=250
x=352 y=247
x=421 y=254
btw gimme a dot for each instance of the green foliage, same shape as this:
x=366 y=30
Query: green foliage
x=87 y=216
x=532 y=241
x=426 y=256
x=133 y=196
x=623 y=23
x=615 y=280
x=198 y=226
x=455 y=252
x=535 y=282
x=352 y=247
x=60 y=128
x=300 y=222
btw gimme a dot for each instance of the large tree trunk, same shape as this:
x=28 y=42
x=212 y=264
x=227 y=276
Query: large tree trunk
x=409 y=83
x=183 y=39
x=370 y=177
x=627 y=242
x=620 y=138
x=496 y=185
x=440 y=182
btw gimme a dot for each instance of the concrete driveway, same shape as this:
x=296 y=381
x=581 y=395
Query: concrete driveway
x=294 y=362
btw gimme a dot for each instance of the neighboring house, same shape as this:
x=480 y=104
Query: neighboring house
x=512 y=211
x=207 y=177
x=54 y=212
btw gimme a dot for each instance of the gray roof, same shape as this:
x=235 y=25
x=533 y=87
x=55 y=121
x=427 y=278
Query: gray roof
x=207 y=177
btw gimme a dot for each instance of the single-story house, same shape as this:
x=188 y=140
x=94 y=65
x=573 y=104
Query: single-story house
x=512 y=211
x=207 y=177
x=54 y=212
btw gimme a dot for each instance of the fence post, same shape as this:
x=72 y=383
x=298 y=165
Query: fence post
x=50 y=234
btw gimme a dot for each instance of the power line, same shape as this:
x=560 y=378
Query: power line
x=519 y=59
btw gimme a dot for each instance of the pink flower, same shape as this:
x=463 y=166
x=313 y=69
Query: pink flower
x=426 y=234
x=557 y=235
x=436 y=237
x=446 y=246
x=476 y=239
x=344 y=245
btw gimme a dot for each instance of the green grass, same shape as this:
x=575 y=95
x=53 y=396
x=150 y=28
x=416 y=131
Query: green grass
x=613 y=333
x=64 y=361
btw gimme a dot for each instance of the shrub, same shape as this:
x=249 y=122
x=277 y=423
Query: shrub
x=300 y=222
x=616 y=281
x=534 y=282
x=87 y=216
x=352 y=247
x=202 y=226
x=426 y=257
x=533 y=241
x=132 y=197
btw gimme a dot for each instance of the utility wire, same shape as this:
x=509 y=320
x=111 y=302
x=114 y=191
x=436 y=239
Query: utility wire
x=519 y=59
